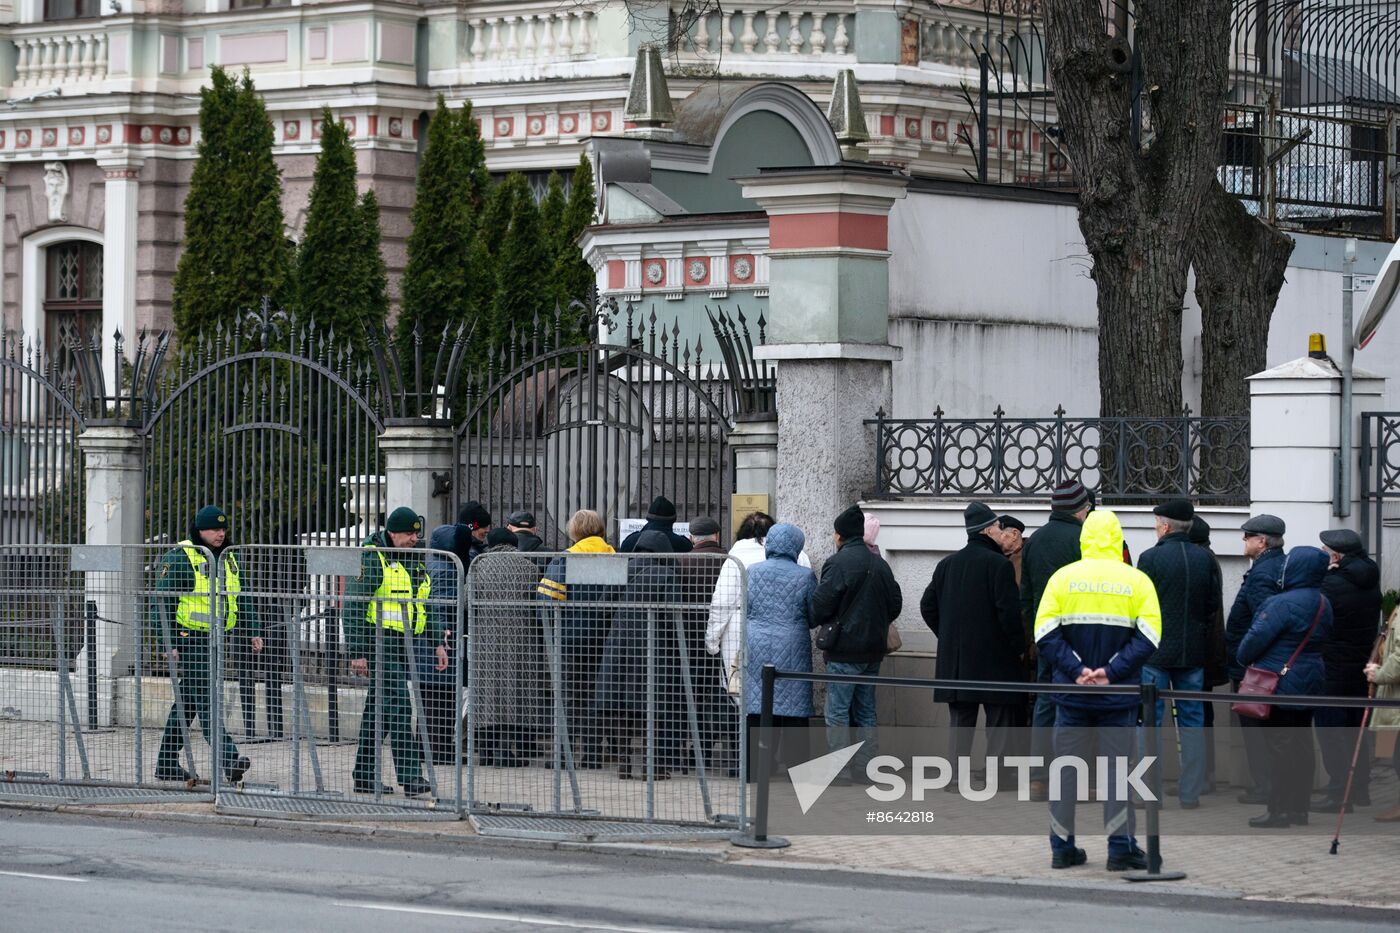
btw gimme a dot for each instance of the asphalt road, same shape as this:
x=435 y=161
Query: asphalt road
x=62 y=872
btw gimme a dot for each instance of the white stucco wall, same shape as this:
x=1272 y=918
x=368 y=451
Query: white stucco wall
x=992 y=302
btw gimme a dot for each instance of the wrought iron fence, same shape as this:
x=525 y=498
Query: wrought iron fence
x=1380 y=474
x=1126 y=459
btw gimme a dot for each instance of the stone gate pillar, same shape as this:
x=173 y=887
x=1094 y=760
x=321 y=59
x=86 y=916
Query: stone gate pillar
x=828 y=331
x=114 y=513
x=418 y=468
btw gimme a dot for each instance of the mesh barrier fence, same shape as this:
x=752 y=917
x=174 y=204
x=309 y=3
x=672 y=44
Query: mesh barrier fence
x=591 y=691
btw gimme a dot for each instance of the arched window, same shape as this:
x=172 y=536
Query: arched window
x=72 y=293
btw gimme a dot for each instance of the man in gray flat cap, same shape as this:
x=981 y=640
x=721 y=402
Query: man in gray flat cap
x=1353 y=587
x=1263 y=544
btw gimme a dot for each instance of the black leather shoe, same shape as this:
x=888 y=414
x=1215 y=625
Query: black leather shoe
x=1068 y=858
x=418 y=788
x=1132 y=860
x=1271 y=821
x=172 y=774
x=239 y=768
x=367 y=787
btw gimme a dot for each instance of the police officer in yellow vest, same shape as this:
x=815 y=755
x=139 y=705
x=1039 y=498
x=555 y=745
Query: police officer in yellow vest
x=390 y=594
x=186 y=576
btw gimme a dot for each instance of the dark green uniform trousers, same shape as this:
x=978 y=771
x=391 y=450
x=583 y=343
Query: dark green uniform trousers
x=396 y=721
x=192 y=671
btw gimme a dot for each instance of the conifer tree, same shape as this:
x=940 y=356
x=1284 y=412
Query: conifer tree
x=571 y=275
x=522 y=275
x=339 y=258
x=437 y=276
x=235 y=248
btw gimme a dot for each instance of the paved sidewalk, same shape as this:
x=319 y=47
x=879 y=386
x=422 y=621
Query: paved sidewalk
x=1257 y=867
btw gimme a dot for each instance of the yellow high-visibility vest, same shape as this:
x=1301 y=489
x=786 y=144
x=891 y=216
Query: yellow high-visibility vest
x=192 y=612
x=395 y=599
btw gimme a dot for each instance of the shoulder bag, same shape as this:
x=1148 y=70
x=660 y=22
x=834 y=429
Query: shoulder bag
x=1261 y=683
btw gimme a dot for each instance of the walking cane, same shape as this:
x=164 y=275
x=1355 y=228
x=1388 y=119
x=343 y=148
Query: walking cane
x=1356 y=752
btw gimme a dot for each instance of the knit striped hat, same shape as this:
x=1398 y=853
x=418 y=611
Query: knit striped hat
x=1069 y=496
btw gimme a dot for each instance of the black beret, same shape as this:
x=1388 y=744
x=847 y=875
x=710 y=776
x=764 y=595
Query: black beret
x=1011 y=521
x=1180 y=510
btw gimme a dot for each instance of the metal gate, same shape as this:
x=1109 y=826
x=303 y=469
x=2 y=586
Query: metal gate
x=41 y=467
x=283 y=433
x=607 y=425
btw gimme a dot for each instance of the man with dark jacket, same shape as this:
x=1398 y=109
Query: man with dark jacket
x=1353 y=587
x=857 y=591
x=1052 y=546
x=1263 y=544
x=1189 y=595
x=972 y=606
x=478 y=521
x=699 y=572
x=1215 y=671
x=1099 y=622
x=523 y=524
x=660 y=517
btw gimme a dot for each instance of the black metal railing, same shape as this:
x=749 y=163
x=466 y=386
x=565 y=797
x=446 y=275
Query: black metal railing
x=1125 y=459
x=1380 y=474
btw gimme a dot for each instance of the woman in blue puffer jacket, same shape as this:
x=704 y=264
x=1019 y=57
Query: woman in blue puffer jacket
x=1280 y=625
x=777 y=627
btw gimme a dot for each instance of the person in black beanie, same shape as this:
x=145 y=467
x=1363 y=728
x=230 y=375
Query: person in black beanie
x=660 y=517
x=859 y=593
x=973 y=607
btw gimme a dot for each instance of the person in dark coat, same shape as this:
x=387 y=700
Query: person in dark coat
x=1052 y=546
x=624 y=688
x=576 y=617
x=974 y=609
x=1216 y=674
x=661 y=517
x=1353 y=588
x=1189 y=595
x=1281 y=625
x=859 y=593
x=437 y=688
x=1263 y=544
x=699 y=573
x=523 y=525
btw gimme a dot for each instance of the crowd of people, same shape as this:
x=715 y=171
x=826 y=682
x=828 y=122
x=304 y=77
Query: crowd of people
x=1067 y=604
x=663 y=654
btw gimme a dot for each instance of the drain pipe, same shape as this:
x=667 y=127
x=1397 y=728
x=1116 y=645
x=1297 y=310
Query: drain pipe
x=1344 y=454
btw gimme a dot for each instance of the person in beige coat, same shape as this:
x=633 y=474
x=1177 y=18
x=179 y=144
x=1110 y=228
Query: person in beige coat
x=1386 y=676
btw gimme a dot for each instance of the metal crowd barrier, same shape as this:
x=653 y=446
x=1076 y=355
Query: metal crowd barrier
x=592 y=698
x=757 y=835
x=87 y=709
x=359 y=720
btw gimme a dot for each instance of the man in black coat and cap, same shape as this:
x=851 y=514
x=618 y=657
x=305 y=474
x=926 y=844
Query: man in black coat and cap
x=660 y=517
x=477 y=520
x=1263 y=544
x=522 y=524
x=1188 y=592
x=1353 y=587
x=974 y=609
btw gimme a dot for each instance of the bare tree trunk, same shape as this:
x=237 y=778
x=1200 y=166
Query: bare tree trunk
x=1240 y=269
x=1139 y=196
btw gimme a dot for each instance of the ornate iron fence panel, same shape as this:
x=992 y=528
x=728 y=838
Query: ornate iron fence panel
x=1380 y=475
x=282 y=432
x=1206 y=459
x=606 y=426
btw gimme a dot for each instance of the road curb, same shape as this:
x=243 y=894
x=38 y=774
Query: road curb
x=675 y=853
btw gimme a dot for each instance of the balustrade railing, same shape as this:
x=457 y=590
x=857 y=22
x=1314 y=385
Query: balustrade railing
x=788 y=29
x=511 y=35
x=53 y=59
